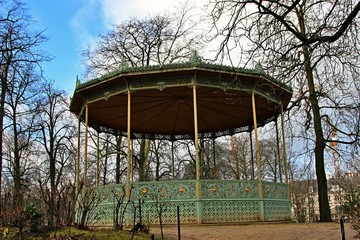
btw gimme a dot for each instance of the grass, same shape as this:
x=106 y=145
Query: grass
x=72 y=233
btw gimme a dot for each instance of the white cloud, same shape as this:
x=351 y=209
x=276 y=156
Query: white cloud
x=95 y=17
x=115 y=11
x=98 y=16
x=87 y=22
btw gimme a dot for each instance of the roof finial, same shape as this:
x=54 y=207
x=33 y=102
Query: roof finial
x=77 y=81
x=259 y=68
x=195 y=57
x=123 y=64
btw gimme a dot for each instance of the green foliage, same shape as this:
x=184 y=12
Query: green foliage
x=6 y=233
x=351 y=208
x=25 y=219
x=32 y=216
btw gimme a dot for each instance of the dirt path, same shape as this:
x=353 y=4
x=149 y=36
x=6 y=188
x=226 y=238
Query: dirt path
x=259 y=231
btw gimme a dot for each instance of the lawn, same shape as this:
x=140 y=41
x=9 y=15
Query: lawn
x=72 y=233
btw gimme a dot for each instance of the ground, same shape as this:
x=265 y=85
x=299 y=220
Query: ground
x=258 y=231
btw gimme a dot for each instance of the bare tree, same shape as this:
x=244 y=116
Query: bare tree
x=109 y=150
x=240 y=157
x=21 y=109
x=120 y=207
x=18 y=45
x=207 y=158
x=159 y=165
x=55 y=135
x=159 y=39
x=114 y=146
x=269 y=160
x=297 y=41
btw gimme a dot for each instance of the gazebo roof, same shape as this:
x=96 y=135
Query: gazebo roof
x=162 y=100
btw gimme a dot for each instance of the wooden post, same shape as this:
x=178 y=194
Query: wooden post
x=257 y=152
x=197 y=159
x=196 y=135
x=129 y=154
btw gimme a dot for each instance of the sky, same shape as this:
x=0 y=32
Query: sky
x=72 y=25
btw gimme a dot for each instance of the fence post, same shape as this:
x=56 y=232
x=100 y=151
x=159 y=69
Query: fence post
x=140 y=217
x=342 y=228
x=178 y=220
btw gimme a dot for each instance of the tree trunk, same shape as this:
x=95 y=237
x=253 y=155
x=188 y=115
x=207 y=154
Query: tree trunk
x=118 y=159
x=105 y=160
x=16 y=169
x=2 y=112
x=324 y=207
x=142 y=160
x=4 y=87
x=52 y=206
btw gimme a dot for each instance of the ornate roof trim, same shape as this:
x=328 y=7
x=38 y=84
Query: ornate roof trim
x=257 y=72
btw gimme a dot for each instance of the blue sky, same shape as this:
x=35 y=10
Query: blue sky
x=72 y=25
x=65 y=43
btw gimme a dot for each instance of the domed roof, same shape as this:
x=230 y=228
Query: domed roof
x=162 y=100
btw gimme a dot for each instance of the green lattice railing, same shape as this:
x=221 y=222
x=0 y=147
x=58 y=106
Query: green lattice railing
x=220 y=201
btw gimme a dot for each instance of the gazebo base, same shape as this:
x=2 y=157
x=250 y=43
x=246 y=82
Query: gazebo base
x=220 y=201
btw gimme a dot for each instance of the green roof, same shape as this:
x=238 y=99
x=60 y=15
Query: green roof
x=178 y=66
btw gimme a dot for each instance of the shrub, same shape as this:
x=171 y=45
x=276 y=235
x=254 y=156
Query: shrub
x=351 y=209
x=32 y=217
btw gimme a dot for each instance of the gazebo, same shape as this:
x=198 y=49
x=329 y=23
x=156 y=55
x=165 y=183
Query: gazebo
x=187 y=101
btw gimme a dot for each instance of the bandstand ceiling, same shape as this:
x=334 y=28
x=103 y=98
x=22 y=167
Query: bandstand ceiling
x=162 y=103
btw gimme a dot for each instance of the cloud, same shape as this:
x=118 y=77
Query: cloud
x=94 y=17
x=115 y=11
x=87 y=23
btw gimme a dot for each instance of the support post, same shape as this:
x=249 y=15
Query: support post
x=197 y=159
x=86 y=142
x=140 y=212
x=278 y=150
x=129 y=154
x=214 y=157
x=172 y=160
x=257 y=152
x=252 y=157
x=178 y=221
x=77 y=171
x=97 y=159
x=284 y=151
